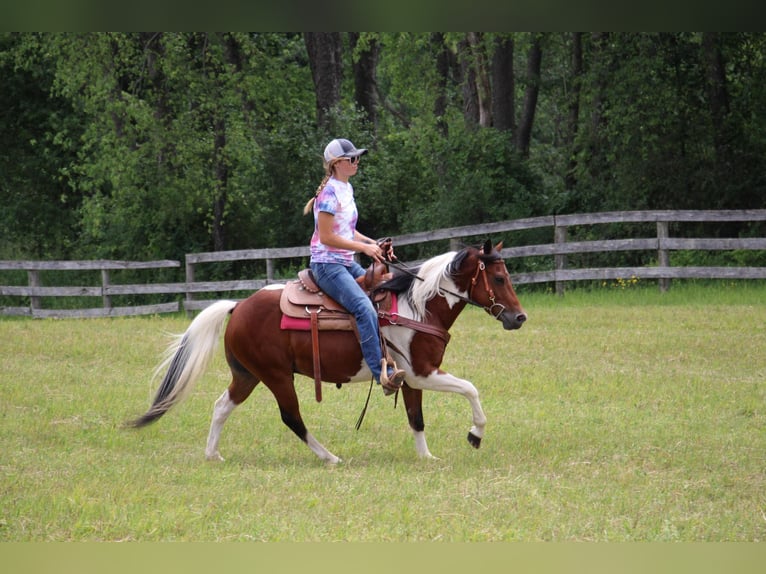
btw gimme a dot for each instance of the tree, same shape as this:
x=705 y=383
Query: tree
x=364 y=66
x=325 y=58
x=503 y=85
x=527 y=118
x=570 y=177
x=482 y=77
x=39 y=134
x=152 y=145
x=443 y=58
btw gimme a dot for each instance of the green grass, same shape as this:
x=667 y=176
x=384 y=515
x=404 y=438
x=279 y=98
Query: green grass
x=615 y=414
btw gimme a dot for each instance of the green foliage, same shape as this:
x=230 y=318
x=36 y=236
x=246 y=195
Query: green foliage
x=153 y=145
x=39 y=212
x=654 y=145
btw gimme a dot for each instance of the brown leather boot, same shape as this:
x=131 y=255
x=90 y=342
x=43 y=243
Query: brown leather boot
x=391 y=378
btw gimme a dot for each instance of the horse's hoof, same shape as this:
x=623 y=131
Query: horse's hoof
x=429 y=456
x=330 y=459
x=474 y=440
x=215 y=457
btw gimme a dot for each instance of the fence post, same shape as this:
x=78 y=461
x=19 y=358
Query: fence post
x=104 y=285
x=560 y=259
x=663 y=256
x=34 y=281
x=270 y=270
x=189 y=279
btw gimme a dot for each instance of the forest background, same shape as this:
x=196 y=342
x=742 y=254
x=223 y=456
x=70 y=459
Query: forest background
x=152 y=145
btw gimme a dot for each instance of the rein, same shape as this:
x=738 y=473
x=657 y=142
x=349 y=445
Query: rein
x=480 y=269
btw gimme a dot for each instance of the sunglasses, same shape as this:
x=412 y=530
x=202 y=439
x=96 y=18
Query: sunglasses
x=353 y=160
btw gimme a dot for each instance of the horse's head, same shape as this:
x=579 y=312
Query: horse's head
x=482 y=273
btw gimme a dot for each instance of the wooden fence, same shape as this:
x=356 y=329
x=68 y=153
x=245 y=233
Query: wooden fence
x=35 y=290
x=557 y=250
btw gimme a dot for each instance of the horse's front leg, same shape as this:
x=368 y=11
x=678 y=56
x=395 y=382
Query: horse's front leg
x=413 y=402
x=447 y=383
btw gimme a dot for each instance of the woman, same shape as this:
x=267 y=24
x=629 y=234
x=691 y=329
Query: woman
x=333 y=245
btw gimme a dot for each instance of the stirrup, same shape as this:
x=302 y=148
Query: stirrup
x=394 y=383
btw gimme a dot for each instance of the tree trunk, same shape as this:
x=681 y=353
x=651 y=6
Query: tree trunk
x=570 y=179
x=324 y=51
x=120 y=87
x=153 y=44
x=718 y=97
x=467 y=82
x=442 y=73
x=236 y=58
x=364 y=68
x=503 y=86
x=483 y=86
x=601 y=67
x=524 y=133
x=221 y=184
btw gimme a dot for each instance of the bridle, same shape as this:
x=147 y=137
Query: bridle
x=481 y=271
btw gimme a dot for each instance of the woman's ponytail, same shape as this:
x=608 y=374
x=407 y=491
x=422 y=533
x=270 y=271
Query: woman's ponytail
x=310 y=203
x=309 y=206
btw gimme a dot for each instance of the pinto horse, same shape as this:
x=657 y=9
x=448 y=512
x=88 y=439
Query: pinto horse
x=430 y=298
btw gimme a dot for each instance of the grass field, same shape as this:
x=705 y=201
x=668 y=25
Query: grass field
x=618 y=414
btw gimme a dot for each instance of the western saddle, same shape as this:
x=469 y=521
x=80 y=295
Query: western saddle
x=305 y=307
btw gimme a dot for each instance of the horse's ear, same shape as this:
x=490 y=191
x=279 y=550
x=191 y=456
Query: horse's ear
x=487 y=249
x=499 y=246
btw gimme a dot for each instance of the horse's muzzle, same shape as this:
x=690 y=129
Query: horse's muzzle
x=512 y=320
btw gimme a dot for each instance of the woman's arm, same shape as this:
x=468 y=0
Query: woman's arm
x=362 y=238
x=361 y=243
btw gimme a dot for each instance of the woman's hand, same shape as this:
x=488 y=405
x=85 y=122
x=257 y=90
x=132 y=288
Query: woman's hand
x=387 y=247
x=373 y=251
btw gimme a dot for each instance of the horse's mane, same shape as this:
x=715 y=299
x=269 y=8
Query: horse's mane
x=421 y=289
x=432 y=272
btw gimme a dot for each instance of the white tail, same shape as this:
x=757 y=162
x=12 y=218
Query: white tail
x=186 y=359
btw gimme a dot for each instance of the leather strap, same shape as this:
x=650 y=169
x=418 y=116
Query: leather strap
x=396 y=319
x=315 y=350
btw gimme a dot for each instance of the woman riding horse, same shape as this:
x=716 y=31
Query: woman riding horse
x=258 y=349
x=333 y=245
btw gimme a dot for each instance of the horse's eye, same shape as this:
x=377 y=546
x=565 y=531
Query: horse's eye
x=499 y=279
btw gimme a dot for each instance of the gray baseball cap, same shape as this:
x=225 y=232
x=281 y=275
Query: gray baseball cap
x=341 y=148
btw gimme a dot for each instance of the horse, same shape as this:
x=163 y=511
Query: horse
x=430 y=297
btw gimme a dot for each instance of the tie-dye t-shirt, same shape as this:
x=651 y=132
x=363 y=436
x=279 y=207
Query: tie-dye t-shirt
x=337 y=198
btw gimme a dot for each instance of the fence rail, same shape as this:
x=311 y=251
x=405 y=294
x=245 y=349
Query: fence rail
x=661 y=242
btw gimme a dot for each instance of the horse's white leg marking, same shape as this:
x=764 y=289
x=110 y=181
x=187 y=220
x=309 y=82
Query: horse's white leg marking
x=221 y=411
x=447 y=383
x=420 y=445
x=320 y=450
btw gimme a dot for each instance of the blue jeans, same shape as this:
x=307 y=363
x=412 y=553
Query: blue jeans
x=339 y=282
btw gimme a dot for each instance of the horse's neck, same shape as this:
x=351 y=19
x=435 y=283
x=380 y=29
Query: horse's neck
x=439 y=310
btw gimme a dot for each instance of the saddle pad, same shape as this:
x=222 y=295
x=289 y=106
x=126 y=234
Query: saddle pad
x=288 y=323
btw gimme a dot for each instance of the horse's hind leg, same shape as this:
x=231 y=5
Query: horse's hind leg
x=241 y=386
x=221 y=411
x=287 y=399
